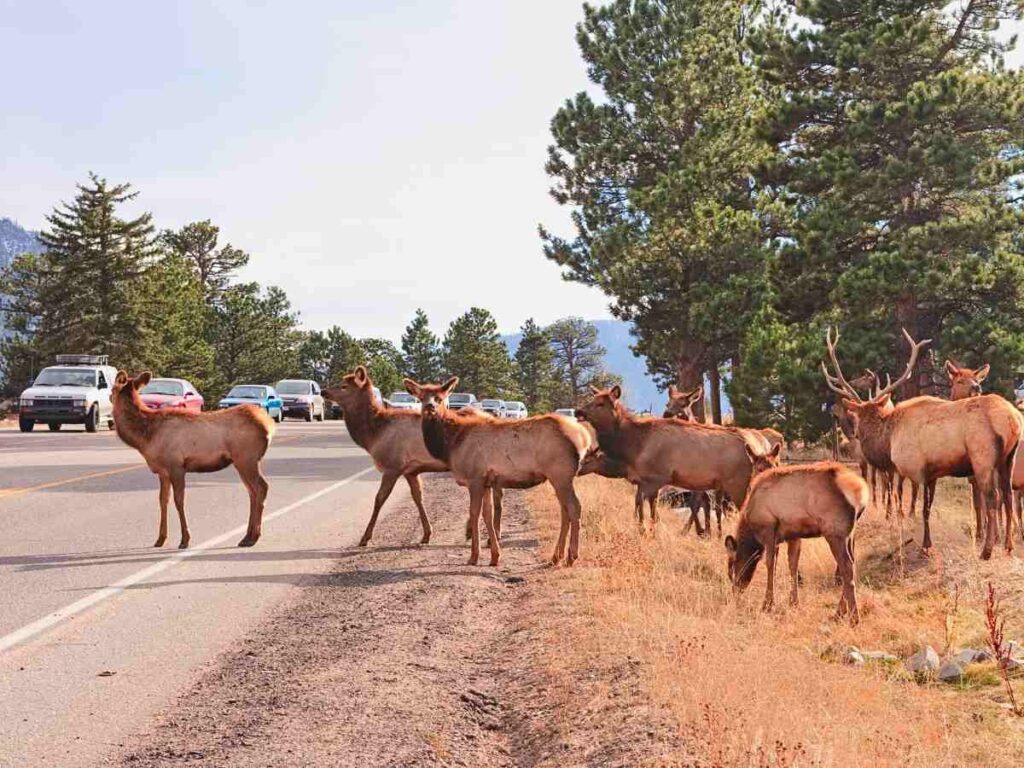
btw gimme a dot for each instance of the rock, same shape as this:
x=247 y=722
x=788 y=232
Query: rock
x=983 y=656
x=951 y=672
x=924 y=661
x=970 y=656
x=882 y=656
x=854 y=656
x=1012 y=664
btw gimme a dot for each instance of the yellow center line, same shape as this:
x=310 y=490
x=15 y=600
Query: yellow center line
x=8 y=493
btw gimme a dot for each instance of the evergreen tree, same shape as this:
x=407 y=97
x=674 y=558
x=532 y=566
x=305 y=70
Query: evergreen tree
x=384 y=362
x=326 y=357
x=473 y=351
x=658 y=175
x=899 y=139
x=421 y=351
x=578 y=359
x=534 y=370
x=215 y=267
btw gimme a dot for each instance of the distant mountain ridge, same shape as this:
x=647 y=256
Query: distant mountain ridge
x=16 y=240
x=639 y=389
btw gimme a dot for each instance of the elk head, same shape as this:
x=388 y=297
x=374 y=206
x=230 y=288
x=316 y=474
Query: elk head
x=857 y=409
x=741 y=558
x=355 y=389
x=764 y=461
x=965 y=382
x=680 y=404
x=433 y=397
x=604 y=409
x=125 y=386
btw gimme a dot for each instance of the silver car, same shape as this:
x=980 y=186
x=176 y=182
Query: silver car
x=302 y=398
x=403 y=401
x=515 y=410
x=494 y=407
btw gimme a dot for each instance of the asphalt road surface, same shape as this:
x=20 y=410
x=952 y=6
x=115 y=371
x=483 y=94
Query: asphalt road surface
x=99 y=630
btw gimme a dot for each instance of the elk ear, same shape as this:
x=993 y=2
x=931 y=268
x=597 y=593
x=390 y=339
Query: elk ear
x=411 y=387
x=450 y=385
x=673 y=392
x=850 y=405
x=696 y=395
x=730 y=544
x=121 y=379
x=142 y=379
x=776 y=451
x=594 y=390
x=982 y=372
x=951 y=370
x=615 y=392
x=361 y=376
x=884 y=400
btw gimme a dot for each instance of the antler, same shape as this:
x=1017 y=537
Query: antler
x=837 y=383
x=915 y=350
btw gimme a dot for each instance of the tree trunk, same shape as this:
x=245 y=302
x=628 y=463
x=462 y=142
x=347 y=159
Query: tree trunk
x=908 y=317
x=690 y=372
x=716 y=394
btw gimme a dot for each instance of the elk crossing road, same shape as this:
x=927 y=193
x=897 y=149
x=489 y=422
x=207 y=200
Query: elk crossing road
x=99 y=630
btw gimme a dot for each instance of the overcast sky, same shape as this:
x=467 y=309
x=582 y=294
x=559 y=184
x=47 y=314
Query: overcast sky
x=373 y=156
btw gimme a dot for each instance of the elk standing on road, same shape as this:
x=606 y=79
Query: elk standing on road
x=925 y=438
x=174 y=442
x=789 y=504
x=485 y=453
x=394 y=440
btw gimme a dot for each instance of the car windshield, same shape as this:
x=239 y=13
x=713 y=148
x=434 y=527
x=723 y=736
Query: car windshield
x=492 y=403
x=248 y=393
x=458 y=397
x=512 y=406
x=66 y=377
x=401 y=397
x=293 y=387
x=163 y=387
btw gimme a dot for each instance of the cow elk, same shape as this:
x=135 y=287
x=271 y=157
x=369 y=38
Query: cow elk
x=484 y=453
x=793 y=503
x=175 y=442
x=925 y=438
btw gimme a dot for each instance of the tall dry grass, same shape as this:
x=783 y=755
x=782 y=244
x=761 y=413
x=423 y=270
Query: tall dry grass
x=750 y=688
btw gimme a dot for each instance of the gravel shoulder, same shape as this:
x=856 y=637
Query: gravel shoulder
x=403 y=655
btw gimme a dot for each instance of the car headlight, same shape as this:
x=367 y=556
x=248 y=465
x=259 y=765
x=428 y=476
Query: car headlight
x=27 y=401
x=78 y=403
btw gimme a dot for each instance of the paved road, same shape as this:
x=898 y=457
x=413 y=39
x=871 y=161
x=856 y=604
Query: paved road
x=83 y=594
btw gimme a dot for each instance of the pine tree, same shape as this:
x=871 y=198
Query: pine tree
x=384 y=362
x=421 y=351
x=474 y=351
x=534 y=369
x=578 y=359
x=215 y=267
x=326 y=357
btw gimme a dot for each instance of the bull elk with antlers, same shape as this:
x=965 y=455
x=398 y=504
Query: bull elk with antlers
x=925 y=438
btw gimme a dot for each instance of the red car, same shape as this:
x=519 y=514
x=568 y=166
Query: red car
x=171 y=393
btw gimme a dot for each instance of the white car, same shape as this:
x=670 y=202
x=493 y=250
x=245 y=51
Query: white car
x=494 y=407
x=75 y=391
x=301 y=397
x=515 y=410
x=567 y=412
x=403 y=401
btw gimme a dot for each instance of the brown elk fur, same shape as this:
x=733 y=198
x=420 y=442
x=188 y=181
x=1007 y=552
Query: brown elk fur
x=792 y=503
x=485 y=453
x=175 y=442
x=660 y=452
x=927 y=438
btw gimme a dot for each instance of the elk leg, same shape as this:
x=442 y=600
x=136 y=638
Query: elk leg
x=793 y=553
x=898 y=482
x=638 y=503
x=1006 y=497
x=476 y=498
x=567 y=497
x=178 y=486
x=257 y=486
x=926 y=513
x=499 y=497
x=387 y=483
x=165 y=497
x=976 y=509
x=416 y=491
x=652 y=502
x=842 y=551
x=487 y=509
x=771 y=550
x=1018 y=511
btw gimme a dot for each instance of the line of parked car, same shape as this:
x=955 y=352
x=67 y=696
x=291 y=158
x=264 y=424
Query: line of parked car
x=502 y=409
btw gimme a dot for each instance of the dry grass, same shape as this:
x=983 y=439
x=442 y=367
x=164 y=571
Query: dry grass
x=771 y=689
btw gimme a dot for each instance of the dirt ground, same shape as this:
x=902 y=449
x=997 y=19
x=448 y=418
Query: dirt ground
x=405 y=656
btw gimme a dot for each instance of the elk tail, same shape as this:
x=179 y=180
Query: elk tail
x=854 y=490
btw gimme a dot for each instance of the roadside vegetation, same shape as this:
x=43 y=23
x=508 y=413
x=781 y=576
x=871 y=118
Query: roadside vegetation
x=748 y=688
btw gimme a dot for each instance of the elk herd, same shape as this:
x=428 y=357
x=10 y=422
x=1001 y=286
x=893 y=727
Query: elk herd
x=919 y=440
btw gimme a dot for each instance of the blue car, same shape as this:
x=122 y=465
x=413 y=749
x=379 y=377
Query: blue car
x=255 y=394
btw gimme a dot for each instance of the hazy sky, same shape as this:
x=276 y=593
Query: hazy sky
x=372 y=157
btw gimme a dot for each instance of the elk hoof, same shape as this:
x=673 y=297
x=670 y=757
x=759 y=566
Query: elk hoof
x=183 y=544
x=473 y=559
x=986 y=553
x=248 y=541
x=363 y=542
x=494 y=562
x=160 y=542
x=425 y=539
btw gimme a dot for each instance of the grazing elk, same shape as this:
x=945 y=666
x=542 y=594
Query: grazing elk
x=484 y=453
x=394 y=440
x=789 y=504
x=661 y=452
x=925 y=438
x=175 y=441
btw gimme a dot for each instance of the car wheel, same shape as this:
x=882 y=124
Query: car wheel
x=26 y=425
x=309 y=414
x=92 y=420
x=54 y=427
x=280 y=415
x=323 y=413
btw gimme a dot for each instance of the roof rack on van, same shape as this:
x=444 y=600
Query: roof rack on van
x=82 y=359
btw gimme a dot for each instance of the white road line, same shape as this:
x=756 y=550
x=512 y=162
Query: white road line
x=41 y=625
